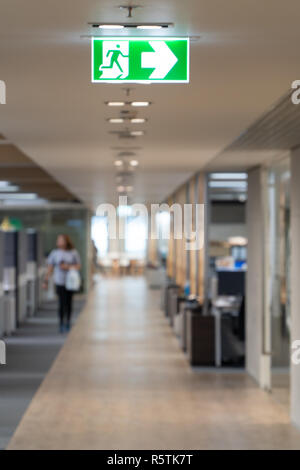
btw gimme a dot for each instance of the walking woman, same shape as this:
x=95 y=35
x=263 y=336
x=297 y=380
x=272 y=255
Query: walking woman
x=60 y=261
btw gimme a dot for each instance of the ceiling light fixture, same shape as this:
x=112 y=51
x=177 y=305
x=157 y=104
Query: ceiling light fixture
x=142 y=26
x=149 y=26
x=131 y=120
x=109 y=26
x=116 y=120
x=140 y=103
x=130 y=103
x=9 y=189
x=118 y=162
x=115 y=103
x=137 y=120
x=136 y=133
x=228 y=184
x=27 y=196
x=4 y=184
x=134 y=163
x=228 y=176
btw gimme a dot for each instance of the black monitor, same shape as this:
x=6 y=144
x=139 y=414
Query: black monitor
x=231 y=282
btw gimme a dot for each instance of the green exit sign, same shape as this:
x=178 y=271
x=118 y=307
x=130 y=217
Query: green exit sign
x=140 y=60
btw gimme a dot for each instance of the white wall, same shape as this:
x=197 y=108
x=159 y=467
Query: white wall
x=295 y=281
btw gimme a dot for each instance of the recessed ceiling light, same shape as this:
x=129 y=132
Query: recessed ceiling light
x=118 y=163
x=134 y=163
x=4 y=184
x=115 y=103
x=228 y=176
x=110 y=26
x=228 y=184
x=129 y=188
x=136 y=133
x=140 y=103
x=116 y=120
x=149 y=26
x=137 y=120
x=121 y=189
x=9 y=188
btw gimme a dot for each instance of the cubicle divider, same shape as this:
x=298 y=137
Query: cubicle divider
x=22 y=247
x=32 y=272
x=15 y=279
x=2 y=317
x=35 y=270
x=41 y=267
x=10 y=281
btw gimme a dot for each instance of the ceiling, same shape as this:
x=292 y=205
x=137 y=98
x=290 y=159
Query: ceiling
x=269 y=138
x=244 y=56
x=19 y=170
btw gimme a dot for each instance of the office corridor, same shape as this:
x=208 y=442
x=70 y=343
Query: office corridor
x=122 y=382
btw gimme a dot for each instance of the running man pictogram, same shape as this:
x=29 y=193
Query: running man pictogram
x=113 y=56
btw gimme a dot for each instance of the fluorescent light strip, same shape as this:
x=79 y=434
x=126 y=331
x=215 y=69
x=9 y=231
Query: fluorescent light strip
x=121 y=120
x=136 y=133
x=228 y=176
x=130 y=103
x=137 y=120
x=115 y=103
x=27 y=196
x=110 y=26
x=116 y=120
x=141 y=26
x=9 y=189
x=228 y=184
x=25 y=203
x=149 y=26
x=140 y=103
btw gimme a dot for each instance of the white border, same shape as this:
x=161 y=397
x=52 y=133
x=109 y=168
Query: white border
x=149 y=38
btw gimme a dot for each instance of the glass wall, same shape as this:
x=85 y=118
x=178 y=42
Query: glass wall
x=278 y=232
x=52 y=221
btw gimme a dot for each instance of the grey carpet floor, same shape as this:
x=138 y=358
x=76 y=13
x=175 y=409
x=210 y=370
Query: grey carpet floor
x=30 y=353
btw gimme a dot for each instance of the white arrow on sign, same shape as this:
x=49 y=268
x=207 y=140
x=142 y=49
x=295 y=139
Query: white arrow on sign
x=162 y=60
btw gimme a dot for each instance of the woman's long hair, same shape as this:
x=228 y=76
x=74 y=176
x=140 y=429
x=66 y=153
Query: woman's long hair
x=68 y=241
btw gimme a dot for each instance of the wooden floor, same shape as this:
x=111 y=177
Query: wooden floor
x=121 y=382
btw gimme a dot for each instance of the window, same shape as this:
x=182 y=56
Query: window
x=99 y=233
x=136 y=236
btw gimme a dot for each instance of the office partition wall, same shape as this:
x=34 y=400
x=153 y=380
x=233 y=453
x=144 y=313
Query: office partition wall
x=2 y=323
x=22 y=276
x=32 y=272
x=10 y=280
